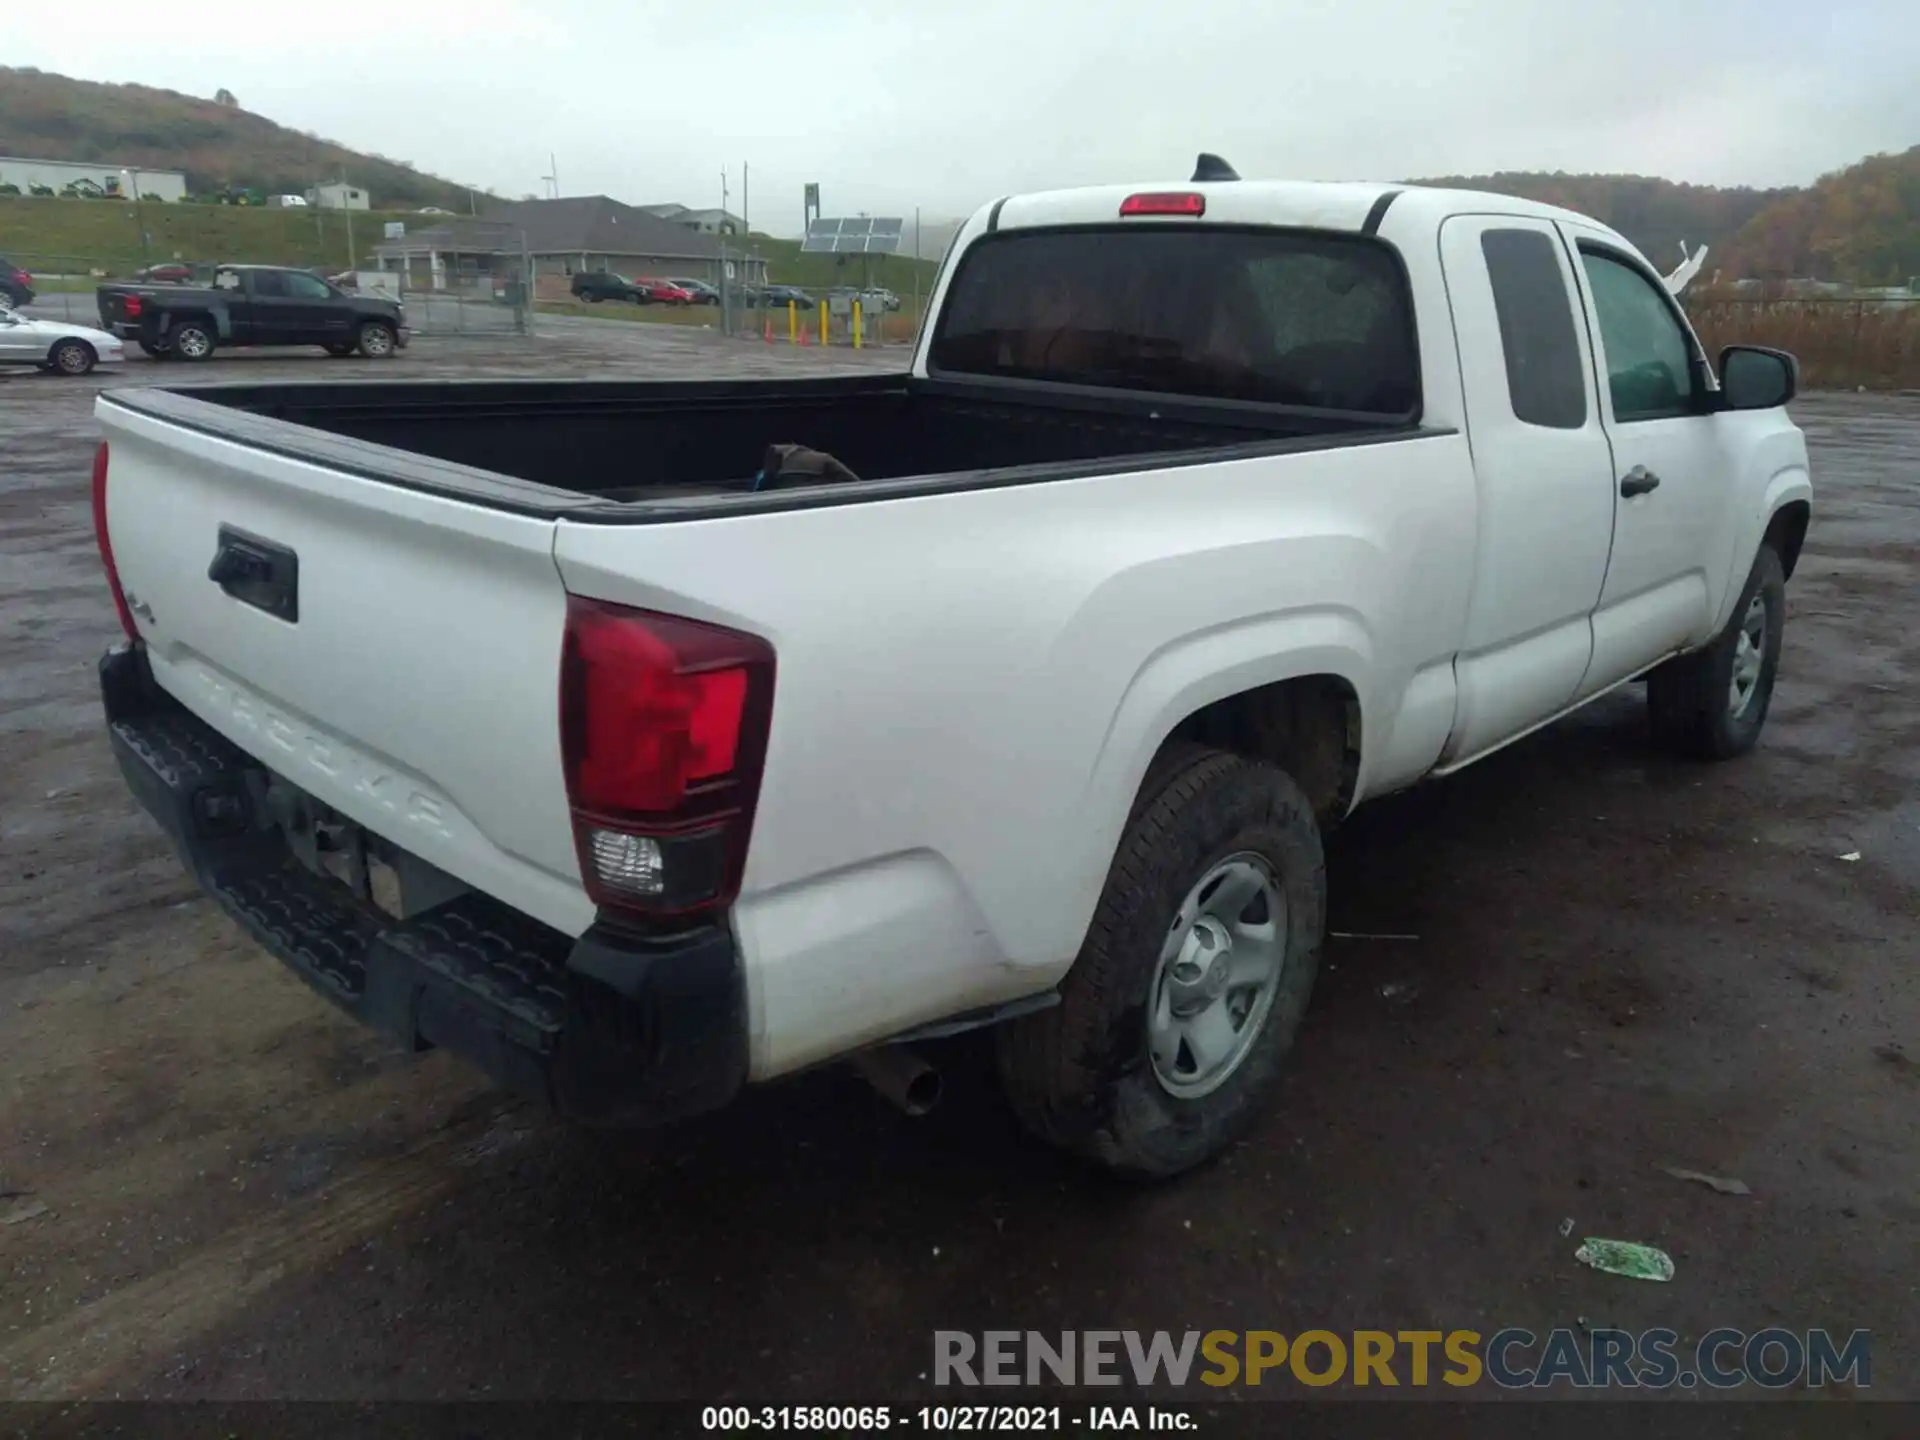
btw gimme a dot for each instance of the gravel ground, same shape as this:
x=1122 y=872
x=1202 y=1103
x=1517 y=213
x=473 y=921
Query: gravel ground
x=1620 y=963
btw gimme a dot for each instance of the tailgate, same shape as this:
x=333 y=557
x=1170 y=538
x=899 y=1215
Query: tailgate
x=113 y=307
x=395 y=654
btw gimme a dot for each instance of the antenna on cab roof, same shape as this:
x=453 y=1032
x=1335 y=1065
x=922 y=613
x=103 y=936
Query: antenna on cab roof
x=1212 y=167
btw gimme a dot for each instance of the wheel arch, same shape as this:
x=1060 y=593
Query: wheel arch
x=1787 y=531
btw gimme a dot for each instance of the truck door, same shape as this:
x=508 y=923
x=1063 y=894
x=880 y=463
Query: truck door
x=1672 y=469
x=277 y=315
x=1544 y=477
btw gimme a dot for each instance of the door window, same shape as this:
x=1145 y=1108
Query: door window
x=1648 y=355
x=270 y=284
x=307 y=287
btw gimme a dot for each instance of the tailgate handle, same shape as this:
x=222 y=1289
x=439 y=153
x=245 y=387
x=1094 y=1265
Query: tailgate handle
x=257 y=572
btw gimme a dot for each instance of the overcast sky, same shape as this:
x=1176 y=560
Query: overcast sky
x=945 y=105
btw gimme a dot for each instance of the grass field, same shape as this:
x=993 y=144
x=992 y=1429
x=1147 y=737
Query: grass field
x=75 y=237
x=1841 y=344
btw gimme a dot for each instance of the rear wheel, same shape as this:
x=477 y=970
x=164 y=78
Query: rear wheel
x=1712 y=704
x=1193 y=978
x=72 y=357
x=191 y=340
x=377 y=340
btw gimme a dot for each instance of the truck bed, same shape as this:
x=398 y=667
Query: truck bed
x=628 y=450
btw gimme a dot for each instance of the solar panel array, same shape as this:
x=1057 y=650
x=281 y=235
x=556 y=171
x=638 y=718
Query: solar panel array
x=859 y=236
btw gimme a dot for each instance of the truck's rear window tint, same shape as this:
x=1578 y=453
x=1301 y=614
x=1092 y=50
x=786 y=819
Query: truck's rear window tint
x=1279 y=317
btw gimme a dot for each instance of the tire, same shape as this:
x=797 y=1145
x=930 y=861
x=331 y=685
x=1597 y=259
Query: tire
x=377 y=340
x=1712 y=704
x=193 y=340
x=72 y=357
x=1085 y=1075
x=592 y=298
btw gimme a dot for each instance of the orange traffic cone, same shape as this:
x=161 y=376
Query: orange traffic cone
x=768 y=336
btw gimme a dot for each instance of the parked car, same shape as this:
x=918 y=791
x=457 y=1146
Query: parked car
x=54 y=344
x=172 y=272
x=665 y=292
x=1030 y=709
x=593 y=286
x=252 y=305
x=16 y=285
x=700 y=290
x=777 y=295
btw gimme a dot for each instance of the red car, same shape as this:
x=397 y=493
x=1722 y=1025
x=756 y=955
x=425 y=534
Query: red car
x=664 y=292
x=171 y=273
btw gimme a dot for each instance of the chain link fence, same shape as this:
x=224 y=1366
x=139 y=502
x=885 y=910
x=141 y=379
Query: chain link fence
x=486 y=296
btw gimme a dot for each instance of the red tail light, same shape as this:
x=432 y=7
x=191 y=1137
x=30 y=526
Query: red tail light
x=663 y=732
x=105 y=544
x=133 y=306
x=1186 y=202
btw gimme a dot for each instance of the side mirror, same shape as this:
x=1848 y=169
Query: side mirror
x=1755 y=378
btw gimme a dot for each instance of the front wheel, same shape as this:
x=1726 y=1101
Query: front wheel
x=377 y=340
x=1711 y=705
x=72 y=357
x=1193 y=978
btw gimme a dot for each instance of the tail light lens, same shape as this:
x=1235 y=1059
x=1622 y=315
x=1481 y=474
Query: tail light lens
x=106 y=545
x=663 y=726
x=133 y=306
x=1184 y=202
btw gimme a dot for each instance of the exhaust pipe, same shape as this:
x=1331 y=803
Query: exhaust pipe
x=901 y=1076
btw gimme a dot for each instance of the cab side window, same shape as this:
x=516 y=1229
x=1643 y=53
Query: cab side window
x=270 y=284
x=307 y=287
x=1648 y=356
x=1545 y=379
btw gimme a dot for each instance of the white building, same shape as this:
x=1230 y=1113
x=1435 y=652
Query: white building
x=338 y=196
x=57 y=175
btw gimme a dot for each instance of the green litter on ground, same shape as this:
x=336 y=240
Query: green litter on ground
x=1623 y=1257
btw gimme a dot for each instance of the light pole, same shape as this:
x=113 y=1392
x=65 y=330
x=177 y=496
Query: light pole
x=139 y=217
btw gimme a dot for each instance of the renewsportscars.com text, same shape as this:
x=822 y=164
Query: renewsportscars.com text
x=1513 y=1358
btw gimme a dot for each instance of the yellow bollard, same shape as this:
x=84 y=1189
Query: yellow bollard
x=856 y=324
x=793 y=322
x=823 y=324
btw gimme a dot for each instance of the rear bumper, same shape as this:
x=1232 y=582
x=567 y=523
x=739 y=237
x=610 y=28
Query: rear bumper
x=613 y=1028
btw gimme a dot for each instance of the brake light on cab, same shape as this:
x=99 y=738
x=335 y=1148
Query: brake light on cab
x=663 y=726
x=1190 y=203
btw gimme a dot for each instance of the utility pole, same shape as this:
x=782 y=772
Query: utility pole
x=139 y=216
x=346 y=203
x=552 y=177
x=746 y=205
x=723 y=194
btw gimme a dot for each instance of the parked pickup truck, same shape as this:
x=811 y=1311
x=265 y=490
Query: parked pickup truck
x=590 y=730
x=250 y=305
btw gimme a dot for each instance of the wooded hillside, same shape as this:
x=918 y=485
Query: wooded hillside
x=51 y=117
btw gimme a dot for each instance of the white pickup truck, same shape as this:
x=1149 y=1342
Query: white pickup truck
x=585 y=729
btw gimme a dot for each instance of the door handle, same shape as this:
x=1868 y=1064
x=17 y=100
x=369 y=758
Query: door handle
x=1638 y=481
